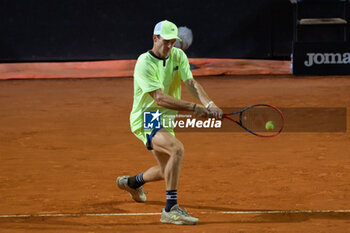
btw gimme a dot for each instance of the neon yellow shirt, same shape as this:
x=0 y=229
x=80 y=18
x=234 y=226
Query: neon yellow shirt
x=152 y=73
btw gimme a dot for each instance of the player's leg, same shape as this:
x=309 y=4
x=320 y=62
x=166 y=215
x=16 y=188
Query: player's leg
x=168 y=152
x=133 y=184
x=154 y=173
x=157 y=172
x=164 y=143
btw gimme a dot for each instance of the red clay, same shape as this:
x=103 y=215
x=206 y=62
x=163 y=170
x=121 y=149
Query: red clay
x=125 y=68
x=63 y=143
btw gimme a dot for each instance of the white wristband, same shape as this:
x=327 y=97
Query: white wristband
x=209 y=104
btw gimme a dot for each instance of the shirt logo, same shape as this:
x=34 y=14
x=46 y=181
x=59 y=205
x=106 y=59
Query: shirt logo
x=151 y=120
x=176 y=68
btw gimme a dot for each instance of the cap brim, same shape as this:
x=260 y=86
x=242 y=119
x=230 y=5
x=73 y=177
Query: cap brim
x=170 y=37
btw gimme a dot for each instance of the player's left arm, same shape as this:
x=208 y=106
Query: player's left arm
x=197 y=91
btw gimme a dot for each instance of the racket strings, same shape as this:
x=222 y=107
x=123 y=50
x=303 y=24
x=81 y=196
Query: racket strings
x=255 y=119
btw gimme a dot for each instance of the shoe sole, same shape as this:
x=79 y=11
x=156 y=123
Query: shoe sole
x=178 y=222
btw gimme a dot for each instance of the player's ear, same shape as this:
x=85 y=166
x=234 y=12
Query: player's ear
x=155 y=38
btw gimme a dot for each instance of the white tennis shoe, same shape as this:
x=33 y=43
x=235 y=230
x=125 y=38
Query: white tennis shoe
x=137 y=194
x=178 y=215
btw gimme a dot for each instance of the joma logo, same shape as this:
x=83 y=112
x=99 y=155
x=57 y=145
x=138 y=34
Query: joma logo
x=327 y=58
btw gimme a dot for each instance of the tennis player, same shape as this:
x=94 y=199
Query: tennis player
x=157 y=84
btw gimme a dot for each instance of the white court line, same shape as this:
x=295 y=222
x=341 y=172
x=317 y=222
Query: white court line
x=282 y=211
x=145 y=214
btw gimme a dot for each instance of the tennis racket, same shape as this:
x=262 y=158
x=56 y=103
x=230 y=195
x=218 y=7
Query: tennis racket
x=262 y=120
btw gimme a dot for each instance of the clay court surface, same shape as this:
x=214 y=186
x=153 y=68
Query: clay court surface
x=64 y=142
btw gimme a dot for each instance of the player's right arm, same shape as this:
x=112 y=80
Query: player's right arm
x=170 y=102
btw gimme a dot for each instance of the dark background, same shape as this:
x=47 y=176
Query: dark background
x=72 y=30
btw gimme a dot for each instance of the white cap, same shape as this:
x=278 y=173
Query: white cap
x=166 y=29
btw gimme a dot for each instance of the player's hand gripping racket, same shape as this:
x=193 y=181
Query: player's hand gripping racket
x=261 y=120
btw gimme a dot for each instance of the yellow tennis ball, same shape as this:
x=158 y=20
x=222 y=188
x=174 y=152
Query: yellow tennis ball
x=269 y=125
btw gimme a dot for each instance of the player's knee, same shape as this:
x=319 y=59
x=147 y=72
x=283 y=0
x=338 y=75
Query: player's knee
x=178 y=150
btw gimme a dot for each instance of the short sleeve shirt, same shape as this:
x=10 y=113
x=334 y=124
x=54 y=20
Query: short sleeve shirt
x=152 y=73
